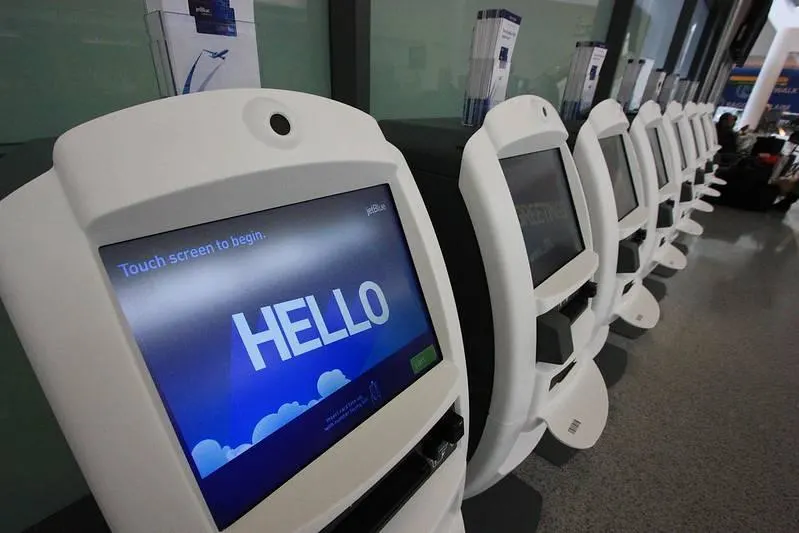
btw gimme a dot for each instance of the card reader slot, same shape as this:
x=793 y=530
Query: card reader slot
x=374 y=509
x=574 y=306
x=627 y=287
x=560 y=376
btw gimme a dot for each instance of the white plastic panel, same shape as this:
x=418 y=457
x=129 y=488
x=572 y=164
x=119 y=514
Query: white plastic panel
x=639 y=307
x=578 y=419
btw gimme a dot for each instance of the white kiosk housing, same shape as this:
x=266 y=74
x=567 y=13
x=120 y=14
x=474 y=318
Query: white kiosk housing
x=237 y=308
x=661 y=179
x=681 y=134
x=510 y=214
x=706 y=119
x=710 y=129
x=614 y=191
x=704 y=163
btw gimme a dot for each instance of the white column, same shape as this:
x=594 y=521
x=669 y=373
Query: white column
x=784 y=43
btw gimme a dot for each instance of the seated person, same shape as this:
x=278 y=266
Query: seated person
x=728 y=137
x=728 y=140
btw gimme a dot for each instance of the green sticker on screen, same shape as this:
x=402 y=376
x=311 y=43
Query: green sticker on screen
x=424 y=359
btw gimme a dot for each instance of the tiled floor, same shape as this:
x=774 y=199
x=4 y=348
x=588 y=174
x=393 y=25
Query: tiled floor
x=703 y=431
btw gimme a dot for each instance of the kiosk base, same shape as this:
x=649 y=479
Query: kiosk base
x=709 y=191
x=672 y=256
x=510 y=506
x=625 y=329
x=83 y=515
x=691 y=227
x=553 y=450
x=703 y=206
x=681 y=247
x=657 y=288
x=638 y=314
x=612 y=363
x=578 y=420
x=717 y=181
x=664 y=272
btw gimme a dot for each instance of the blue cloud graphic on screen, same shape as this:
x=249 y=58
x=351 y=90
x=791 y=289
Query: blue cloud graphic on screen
x=330 y=382
x=209 y=455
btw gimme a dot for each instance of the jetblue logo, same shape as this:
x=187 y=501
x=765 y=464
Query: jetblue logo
x=282 y=330
x=375 y=208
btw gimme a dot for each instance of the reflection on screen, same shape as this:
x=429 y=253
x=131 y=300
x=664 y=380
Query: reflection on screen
x=272 y=335
x=681 y=143
x=544 y=205
x=657 y=151
x=619 y=167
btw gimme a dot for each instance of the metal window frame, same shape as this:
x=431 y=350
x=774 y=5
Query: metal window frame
x=736 y=9
x=349 y=25
x=720 y=11
x=614 y=40
x=679 y=35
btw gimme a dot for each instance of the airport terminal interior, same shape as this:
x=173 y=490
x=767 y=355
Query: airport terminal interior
x=361 y=266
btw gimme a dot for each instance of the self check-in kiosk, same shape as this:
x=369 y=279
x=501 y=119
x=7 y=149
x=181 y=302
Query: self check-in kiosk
x=710 y=129
x=511 y=218
x=237 y=308
x=674 y=121
x=611 y=178
x=706 y=120
x=704 y=161
x=661 y=178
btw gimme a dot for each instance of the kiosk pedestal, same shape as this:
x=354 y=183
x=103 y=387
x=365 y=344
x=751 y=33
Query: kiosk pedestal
x=510 y=506
x=690 y=227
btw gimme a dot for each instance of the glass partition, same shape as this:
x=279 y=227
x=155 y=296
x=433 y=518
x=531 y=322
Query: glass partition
x=67 y=62
x=695 y=28
x=649 y=32
x=293 y=45
x=420 y=51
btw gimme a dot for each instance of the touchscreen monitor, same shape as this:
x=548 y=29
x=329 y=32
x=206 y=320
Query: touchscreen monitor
x=541 y=195
x=272 y=335
x=660 y=160
x=619 y=167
